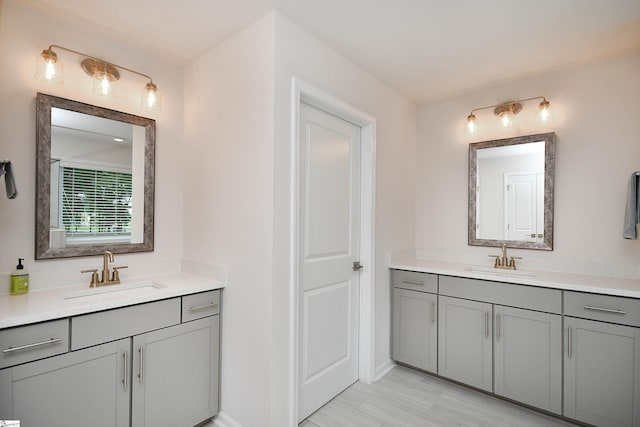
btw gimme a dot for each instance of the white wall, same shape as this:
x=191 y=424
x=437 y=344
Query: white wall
x=237 y=195
x=597 y=149
x=228 y=202
x=26 y=28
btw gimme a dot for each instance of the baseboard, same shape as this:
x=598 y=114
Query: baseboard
x=384 y=368
x=225 y=420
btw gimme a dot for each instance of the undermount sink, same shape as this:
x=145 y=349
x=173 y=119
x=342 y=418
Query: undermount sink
x=120 y=290
x=499 y=272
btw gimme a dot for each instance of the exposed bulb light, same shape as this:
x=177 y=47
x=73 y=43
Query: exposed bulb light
x=472 y=124
x=506 y=120
x=545 y=114
x=48 y=67
x=150 y=97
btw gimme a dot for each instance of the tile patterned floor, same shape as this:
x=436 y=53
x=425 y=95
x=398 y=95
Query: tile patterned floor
x=406 y=397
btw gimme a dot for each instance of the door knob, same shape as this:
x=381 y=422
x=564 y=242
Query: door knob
x=357 y=266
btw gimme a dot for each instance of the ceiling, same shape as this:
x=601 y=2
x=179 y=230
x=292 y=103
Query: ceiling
x=424 y=49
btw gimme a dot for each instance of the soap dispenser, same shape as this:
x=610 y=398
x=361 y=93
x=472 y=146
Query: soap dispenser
x=19 y=279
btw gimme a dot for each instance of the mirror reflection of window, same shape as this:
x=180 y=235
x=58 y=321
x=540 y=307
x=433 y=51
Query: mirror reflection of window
x=510 y=192
x=96 y=180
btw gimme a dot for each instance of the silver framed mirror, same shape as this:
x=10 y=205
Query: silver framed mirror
x=95 y=174
x=511 y=187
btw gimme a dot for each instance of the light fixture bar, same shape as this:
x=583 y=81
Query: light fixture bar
x=97 y=60
x=506 y=112
x=104 y=73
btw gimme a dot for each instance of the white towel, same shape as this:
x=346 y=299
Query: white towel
x=10 y=183
x=632 y=212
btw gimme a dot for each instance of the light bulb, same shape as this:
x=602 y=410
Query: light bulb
x=48 y=67
x=506 y=119
x=545 y=114
x=150 y=98
x=472 y=124
x=104 y=83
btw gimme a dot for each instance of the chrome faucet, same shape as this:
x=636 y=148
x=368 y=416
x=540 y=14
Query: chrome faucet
x=106 y=279
x=505 y=262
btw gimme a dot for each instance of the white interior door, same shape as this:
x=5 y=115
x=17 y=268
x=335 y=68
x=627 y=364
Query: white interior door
x=329 y=230
x=521 y=207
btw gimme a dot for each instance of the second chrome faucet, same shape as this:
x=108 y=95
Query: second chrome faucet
x=105 y=278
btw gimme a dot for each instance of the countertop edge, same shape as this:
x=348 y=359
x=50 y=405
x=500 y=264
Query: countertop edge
x=50 y=304
x=613 y=286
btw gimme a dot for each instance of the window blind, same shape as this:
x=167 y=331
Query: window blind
x=95 y=202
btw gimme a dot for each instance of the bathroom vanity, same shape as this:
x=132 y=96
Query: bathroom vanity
x=144 y=354
x=563 y=343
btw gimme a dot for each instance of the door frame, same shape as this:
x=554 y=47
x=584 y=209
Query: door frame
x=304 y=92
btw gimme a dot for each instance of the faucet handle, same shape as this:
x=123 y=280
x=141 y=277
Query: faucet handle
x=497 y=257
x=94 y=276
x=512 y=262
x=115 y=277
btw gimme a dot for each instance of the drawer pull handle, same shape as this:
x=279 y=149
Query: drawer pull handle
x=202 y=307
x=28 y=346
x=141 y=368
x=569 y=341
x=498 y=326
x=413 y=282
x=486 y=324
x=606 y=310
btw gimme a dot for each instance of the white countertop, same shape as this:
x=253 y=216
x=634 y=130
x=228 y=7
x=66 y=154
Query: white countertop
x=546 y=279
x=38 y=306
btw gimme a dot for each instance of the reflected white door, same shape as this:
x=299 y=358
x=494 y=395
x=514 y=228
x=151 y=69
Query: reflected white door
x=329 y=230
x=521 y=204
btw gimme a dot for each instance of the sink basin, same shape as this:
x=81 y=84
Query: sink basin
x=119 y=290
x=499 y=272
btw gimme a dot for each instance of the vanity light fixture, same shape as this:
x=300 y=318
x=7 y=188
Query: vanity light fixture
x=105 y=74
x=506 y=111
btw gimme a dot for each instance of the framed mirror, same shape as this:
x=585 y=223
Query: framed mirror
x=95 y=172
x=511 y=185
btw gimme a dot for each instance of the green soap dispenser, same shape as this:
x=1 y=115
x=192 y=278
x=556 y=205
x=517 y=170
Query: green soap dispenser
x=19 y=279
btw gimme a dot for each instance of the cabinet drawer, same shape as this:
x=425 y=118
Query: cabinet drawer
x=200 y=305
x=110 y=325
x=625 y=311
x=513 y=295
x=423 y=282
x=31 y=342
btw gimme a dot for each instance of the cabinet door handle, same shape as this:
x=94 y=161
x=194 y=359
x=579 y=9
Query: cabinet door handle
x=569 y=339
x=486 y=324
x=28 y=346
x=498 y=327
x=433 y=313
x=202 y=307
x=606 y=310
x=413 y=282
x=125 y=356
x=141 y=369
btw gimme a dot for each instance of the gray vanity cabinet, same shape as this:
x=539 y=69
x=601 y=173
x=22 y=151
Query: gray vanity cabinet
x=89 y=387
x=528 y=357
x=175 y=374
x=415 y=319
x=154 y=364
x=502 y=338
x=465 y=342
x=602 y=360
x=415 y=329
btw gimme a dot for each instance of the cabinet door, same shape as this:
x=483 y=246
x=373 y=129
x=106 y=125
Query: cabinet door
x=528 y=357
x=84 y=388
x=465 y=342
x=602 y=373
x=175 y=374
x=415 y=329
